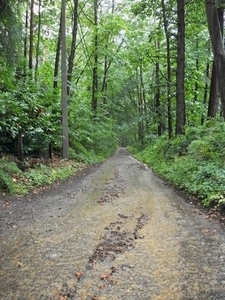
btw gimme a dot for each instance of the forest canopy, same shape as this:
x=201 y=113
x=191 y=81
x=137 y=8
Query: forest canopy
x=80 y=77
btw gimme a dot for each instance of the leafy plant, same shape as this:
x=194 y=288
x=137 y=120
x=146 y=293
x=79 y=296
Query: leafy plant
x=193 y=162
x=9 y=173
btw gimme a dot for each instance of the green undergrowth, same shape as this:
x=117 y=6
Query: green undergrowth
x=194 y=162
x=36 y=173
x=33 y=174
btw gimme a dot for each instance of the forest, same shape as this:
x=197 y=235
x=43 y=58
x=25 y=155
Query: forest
x=80 y=78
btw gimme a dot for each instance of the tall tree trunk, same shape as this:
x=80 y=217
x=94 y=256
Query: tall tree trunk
x=205 y=91
x=104 y=81
x=113 y=6
x=65 y=138
x=213 y=96
x=57 y=55
x=197 y=69
x=25 y=42
x=30 y=64
x=165 y=24
x=73 y=45
x=180 y=93
x=157 y=100
x=94 y=102
x=215 y=31
x=140 y=109
x=143 y=95
x=20 y=146
x=107 y=65
x=38 y=39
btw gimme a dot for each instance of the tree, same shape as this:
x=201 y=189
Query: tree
x=94 y=102
x=38 y=39
x=31 y=45
x=73 y=45
x=169 y=75
x=180 y=93
x=10 y=32
x=213 y=103
x=215 y=30
x=65 y=134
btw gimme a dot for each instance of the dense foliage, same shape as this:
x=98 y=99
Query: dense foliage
x=140 y=73
x=194 y=162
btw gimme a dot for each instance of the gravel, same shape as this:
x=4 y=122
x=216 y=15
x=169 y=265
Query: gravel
x=113 y=232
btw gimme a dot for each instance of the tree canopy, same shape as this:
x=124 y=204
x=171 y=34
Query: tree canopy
x=134 y=69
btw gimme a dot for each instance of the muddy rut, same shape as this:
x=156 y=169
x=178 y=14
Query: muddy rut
x=115 y=233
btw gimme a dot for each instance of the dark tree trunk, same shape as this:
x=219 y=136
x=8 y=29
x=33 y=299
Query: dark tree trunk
x=20 y=146
x=180 y=93
x=213 y=96
x=107 y=65
x=65 y=138
x=30 y=64
x=57 y=55
x=73 y=46
x=25 y=42
x=140 y=109
x=94 y=102
x=38 y=39
x=143 y=95
x=104 y=81
x=157 y=100
x=205 y=92
x=215 y=30
x=197 y=69
x=169 y=75
x=56 y=73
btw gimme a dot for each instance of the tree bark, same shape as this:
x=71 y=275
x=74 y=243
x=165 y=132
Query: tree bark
x=30 y=64
x=20 y=146
x=180 y=93
x=38 y=39
x=144 y=101
x=157 y=100
x=94 y=102
x=213 y=96
x=205 y=92
x=65 y=138
x=57 y=55
x=107 y=65
x=73 y=45
x=165 y=22
x=215 y=31
x=197 y=69
x=140 y=108
x=25 y=42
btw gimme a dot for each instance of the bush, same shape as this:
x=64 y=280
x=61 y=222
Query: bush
x=193 y=162
x=8 y=174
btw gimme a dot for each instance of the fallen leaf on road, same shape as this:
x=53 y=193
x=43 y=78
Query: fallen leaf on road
x=104 y=276
x=205 y=231
x=101 y=287
x=79 y=274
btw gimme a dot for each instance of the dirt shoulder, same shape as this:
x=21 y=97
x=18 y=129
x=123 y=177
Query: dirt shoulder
x=116 y=231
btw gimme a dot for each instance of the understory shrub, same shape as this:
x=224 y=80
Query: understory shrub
x=193 y=162
x=8 y=175
x=22 y=177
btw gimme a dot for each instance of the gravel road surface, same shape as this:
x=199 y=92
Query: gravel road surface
x=114 y=232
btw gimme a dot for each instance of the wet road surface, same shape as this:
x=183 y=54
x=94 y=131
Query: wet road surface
x=115 y=233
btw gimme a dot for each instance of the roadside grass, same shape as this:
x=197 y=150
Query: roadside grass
x=34 y=174
x=194 y=162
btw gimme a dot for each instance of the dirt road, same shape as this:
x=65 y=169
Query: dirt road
x=115 y=233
